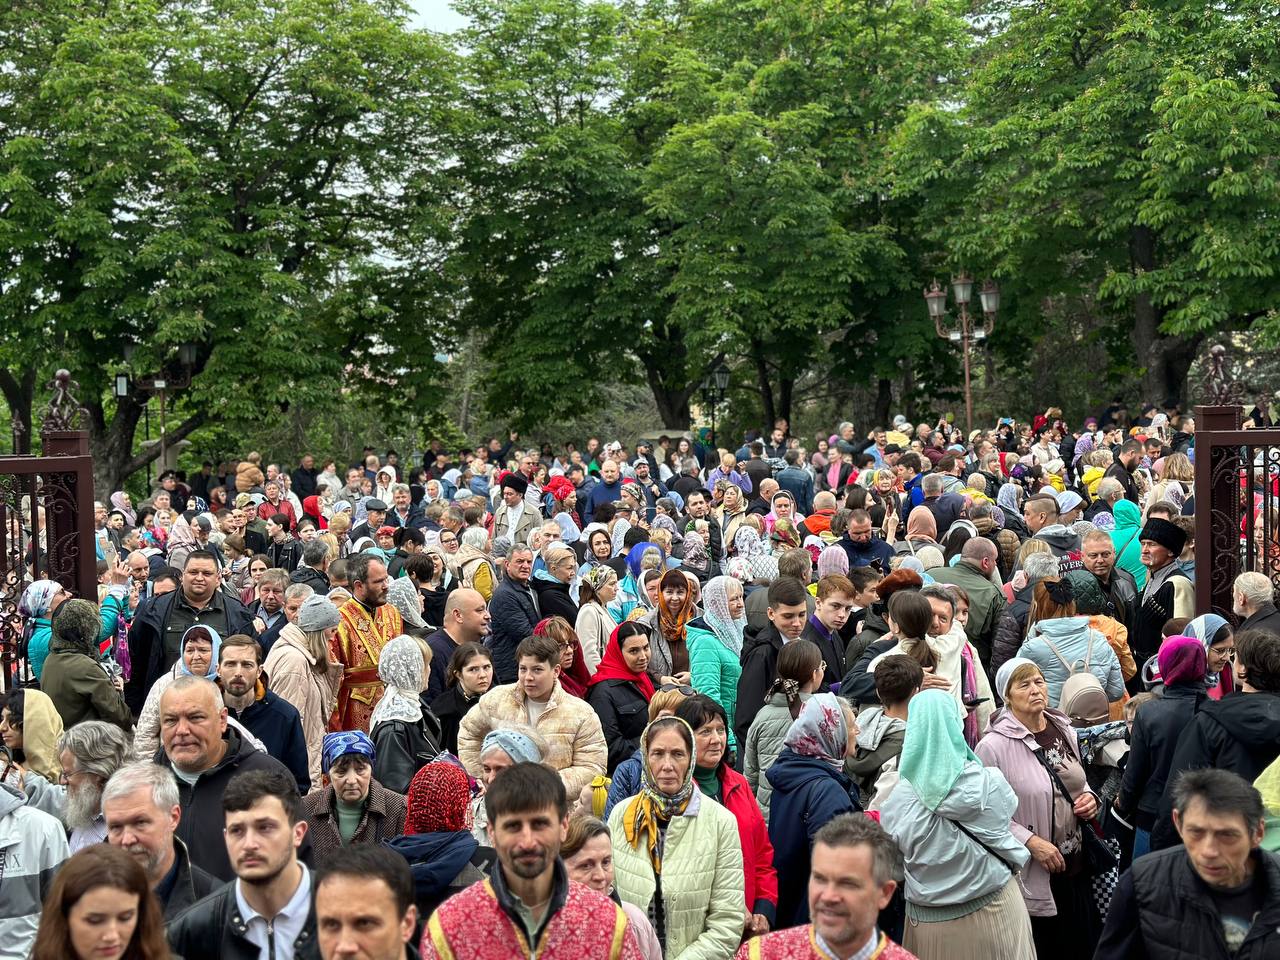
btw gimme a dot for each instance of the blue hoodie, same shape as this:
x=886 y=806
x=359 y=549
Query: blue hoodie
x=435 y=859
x=807 y=793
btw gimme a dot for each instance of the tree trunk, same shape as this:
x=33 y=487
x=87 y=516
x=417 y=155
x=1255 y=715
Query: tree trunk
x=884 y=400
x=112 y=444
x=19 y=393
x=766 y=388
x=1148 y=344
x=786 y=391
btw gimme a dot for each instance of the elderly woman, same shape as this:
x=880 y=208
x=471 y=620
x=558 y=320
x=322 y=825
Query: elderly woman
x=354 y=807
x=73 y=676
x=922 y=531
x=473 y=564
x=696 y=560
x=677 y=856
x=950 y=816
x=715 y=645
x=39 y=600
x=731 y=514
x=1156 y=728
x=594 y=623
x=669 y=625
x=403 y=728
x=587 y=853
x=500 y=749
x=1035 y=747
x=553 y=584
x=810 y=788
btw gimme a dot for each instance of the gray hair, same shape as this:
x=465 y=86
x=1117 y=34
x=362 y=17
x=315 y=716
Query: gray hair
x=100 y=748
x=315 y=553
x=399 y=488
x=298 y=591
x=1040 y=565
x=1254 y=587
x=276 y=575
x=207 y=687
x=938 y=592
x=1110 y=489
x=475 y=537
x=931 y=484
x=144 y=773
x=854 y=829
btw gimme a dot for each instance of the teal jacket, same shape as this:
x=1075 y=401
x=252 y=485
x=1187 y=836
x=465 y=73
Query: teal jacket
x=714 y=669
x=1125 y=538
x=38 y=644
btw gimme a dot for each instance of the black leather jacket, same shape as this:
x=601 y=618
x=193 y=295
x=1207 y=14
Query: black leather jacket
x=212 y=929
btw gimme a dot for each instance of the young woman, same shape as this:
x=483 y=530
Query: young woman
x=1214 y=634
x=468 y=677
x=800 y=671
x=587 y=853
x=101 y=907
x=621 y=689
x=30 y=729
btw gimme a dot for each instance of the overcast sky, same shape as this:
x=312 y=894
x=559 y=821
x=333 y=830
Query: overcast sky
x=436 y=14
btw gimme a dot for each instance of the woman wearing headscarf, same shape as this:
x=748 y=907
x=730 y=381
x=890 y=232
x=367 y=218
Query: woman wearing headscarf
x=599 y=547
x=39 y=600
x=1124 y=536
x=501 y=748
x=676 y=854
x=951 y=816
x=354 y=807
x=730 y=515
x=810 y=788
x=618 y=536
x=405 y=732
x=715 y=645
x=1214 y=634
x=620 y=691
x=31 y=728
x=1035 y=747
x=922 y=531
x=641 y=557
x=830 y=561
x=1009 y=500
x=1156 y=728
x=123 y=502
x=73 y=676
x=695 y=558
x=404 y=595
x=1058 y=639
x=443 y=856
x=669 y=623
x=748 y=546
x=594 y=622
x=311 y=508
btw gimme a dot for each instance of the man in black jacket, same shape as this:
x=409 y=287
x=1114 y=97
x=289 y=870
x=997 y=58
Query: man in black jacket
x=514 y=610
x=264 y=713
x=204 y=754
x=267 y=911
x=1216 y=897
x=788 y=612
x=698 y=507
x=314 y=569
x=1122 y=468
x=141 y=808
x=1253 y=602
x=304 y=478
x=156 y=633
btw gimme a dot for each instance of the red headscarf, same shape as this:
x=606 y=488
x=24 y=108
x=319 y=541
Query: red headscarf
x=613 y=666
x=575 y=679
x=311 y=507
x=439 y=800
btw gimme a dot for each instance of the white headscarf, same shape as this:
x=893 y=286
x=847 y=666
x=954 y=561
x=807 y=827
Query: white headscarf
x=400 y=667
x=715 y=603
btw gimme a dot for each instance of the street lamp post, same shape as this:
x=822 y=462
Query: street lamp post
x=967 y=331
x=160 y=386
x=714 y=387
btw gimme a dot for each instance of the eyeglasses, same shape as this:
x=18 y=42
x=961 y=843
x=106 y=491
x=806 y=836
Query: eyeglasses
x=683 y=688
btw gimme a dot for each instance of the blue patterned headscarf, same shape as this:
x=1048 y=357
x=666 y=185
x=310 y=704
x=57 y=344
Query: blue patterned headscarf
x=335 y=746
x=514 y=744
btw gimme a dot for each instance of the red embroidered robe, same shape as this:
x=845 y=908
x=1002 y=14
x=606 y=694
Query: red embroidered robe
x=798 y=943
x=357 y=646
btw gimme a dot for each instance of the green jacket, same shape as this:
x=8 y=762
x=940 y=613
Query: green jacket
x=714 y=669
x=78 y=686
x=1125 y=539
x=702 y=879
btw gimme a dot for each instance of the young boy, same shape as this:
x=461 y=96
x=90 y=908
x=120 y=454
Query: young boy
x=881 y=729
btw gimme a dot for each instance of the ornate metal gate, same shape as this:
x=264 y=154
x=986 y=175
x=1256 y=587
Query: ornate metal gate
x=46 y=518
x=1237 y=495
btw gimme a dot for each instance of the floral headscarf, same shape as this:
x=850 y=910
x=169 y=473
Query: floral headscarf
x=715 y=602
x=400 y=668
x=831 y=560
x=672 y=621
x=747 y=543
x=820 y=730
x=785 y=536
x=1083 y=446
x=663 y=522
x=439 y=800
x=695 y=552
x=37 y=597
x=739 y=568
x=640 y=819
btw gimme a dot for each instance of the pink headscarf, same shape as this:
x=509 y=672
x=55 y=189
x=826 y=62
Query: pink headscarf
x=1181 y=660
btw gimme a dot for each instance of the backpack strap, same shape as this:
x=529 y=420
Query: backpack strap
x=1056 y=653
x=1088 y=652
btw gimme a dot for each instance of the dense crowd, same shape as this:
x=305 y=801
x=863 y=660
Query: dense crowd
x=912 y=693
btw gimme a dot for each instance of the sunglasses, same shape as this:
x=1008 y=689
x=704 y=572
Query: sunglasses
x=683 y=688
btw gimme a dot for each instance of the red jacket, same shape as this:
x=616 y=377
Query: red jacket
x=761 y=886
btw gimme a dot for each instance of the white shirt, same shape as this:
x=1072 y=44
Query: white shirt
x=514 y=515
x=284 y=928
x=535 y=709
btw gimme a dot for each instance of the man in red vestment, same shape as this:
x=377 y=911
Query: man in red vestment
x=850 y=882
x=528 y=907
x=367 y=623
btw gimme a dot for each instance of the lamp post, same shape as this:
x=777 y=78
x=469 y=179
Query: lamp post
x=964 y=330
x=160 y=385
x=714 y=387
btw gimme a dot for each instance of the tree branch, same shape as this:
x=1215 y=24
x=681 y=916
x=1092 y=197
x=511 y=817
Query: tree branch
x=181 y=432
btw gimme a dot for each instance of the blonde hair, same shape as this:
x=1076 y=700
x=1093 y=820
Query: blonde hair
x=1028 y=548
x=1133 y=703
x=665 y=700
x=1177 y=466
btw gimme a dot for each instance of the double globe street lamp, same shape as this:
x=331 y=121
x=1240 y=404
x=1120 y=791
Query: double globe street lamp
x=963 y=329
x=714 y=387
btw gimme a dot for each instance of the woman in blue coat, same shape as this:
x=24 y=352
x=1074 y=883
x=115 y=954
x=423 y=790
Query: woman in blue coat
x=809 y=789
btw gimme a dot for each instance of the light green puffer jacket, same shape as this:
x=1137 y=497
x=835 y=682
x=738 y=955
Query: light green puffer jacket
x=702 y=886
x=764 y=743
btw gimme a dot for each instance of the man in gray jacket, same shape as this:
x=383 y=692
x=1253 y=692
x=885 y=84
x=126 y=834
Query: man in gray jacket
x=32 y=847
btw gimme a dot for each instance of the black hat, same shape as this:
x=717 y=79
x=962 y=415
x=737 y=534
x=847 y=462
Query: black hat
x=516 y=482
x=891 y=448
x=1168 y=535
x=374 y=503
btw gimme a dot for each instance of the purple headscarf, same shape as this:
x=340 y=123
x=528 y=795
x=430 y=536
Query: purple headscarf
x=1181 y=660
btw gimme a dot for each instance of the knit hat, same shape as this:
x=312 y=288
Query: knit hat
x=514 y=744
x=514 y=481
x=1088 y=593
x=316 y=614
x=1167 y=534
x=75 y=627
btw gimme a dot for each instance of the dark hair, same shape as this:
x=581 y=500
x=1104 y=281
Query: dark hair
x=202 y=555
x=912 y=615
x=420 y=566
x=1221 y=791
x=525 y=788
x=1258 y=651
x=405 y=534
x=786 y=592
x=100 y=865
x=266 y=561
x=634 y=537
x=279 y=519
x=173 y=574
x=911 y=460
x=248 y=787
x=604 y=512
x=897 y=678
x=241 y=640
x=461 y=657
x=540 y=648
x=358 y=566
x=863 y=577
x=629 y=629
x=855 y=829
x=699 y=710
x=14 y=703
x=373 y=862
x=797 y=662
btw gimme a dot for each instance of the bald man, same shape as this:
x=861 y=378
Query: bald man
x=986 y=602
x=466 y=620
x=765 y=494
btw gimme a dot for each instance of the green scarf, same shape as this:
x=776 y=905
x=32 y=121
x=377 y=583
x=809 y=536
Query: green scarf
x=934 y=751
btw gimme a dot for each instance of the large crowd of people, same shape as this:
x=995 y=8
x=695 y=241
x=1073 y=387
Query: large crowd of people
x=902 y=694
